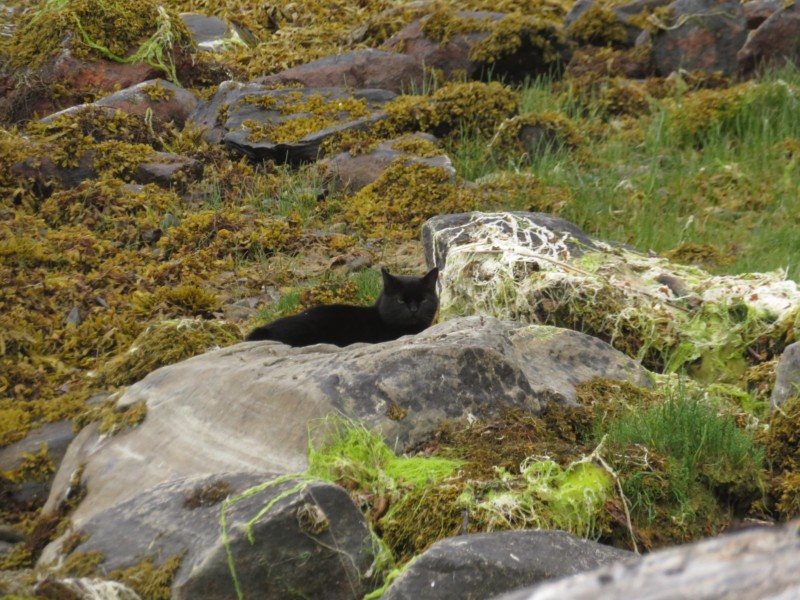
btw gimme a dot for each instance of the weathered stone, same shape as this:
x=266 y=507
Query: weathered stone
x=244 y=115
x=83 y=588
x=625 y=13
x=56 y=437
x=756 y=564
x=486 y=564
x=775 y=42
x=787 y=375
x=758 y=11
x=314 y=542
x=355 y=172
x=702 y=35
x=213 y=34
x=442 y=233
x=167 y=170
x=359 y=69
x=163 y=100
x=454 y=57
x=247 y=407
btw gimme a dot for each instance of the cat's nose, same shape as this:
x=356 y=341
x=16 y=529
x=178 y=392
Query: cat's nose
x=413 y=308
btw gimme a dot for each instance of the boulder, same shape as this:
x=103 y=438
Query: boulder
x=164 y=101
x=213 y=34
x=353 y=172
x=628 y=15
x=313 y=540
x=248 y=407
x=702 y=35
x=756 y=564
x=540 y=269
x=483 y=565
x=473 y=44
x=52 y=440
x=787 y=375
x=359 y=69
x=168 y=170
x=285 y=125
x=758 y=11
x=775 y=42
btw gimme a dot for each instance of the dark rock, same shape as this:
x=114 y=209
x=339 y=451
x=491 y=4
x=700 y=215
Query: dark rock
x=439 y=234
x=355 y=172
x=57 y=437
x=755 y=564
x=775 y=42
x=313 y=542
x=213 y=34
x=758 y=11
x=787 y=375
x=456 y=57
x=165 y=101
x=625 y=13
x=702 y=35
x=359 y=69
x=237 y=109
x=483 y=565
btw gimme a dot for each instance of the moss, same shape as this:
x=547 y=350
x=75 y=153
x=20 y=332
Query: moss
x=36 y=466
x=514 y=33
x=188 y=300
x=402 y=198
x=137 y=30
x=148 y=579
x=524 y=137
x=207 y=494
x=690 y=253
x=166 y=343
x=82 y=564
x=417 y=146
x=157 y=92
x=598 y=26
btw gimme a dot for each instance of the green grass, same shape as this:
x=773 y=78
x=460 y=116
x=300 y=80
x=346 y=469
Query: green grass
x=728 y=179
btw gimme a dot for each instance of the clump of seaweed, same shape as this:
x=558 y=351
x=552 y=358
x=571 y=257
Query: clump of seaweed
x=524 y=137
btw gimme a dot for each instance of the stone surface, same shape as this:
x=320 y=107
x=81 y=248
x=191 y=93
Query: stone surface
x=787 y=375
x=355 y=172
x=775 y=42
x=57 y=437
x=165 y=101
x=483 y=565
x=314 y=542
x=236 y=108
x=452 y=58
x=702 y=35
x=625 y=14
x=248 y=407
x=359 y=69
x=213 y=34
x=758 y=11
x=169 y=170
x=442 y=233
x=757 y=564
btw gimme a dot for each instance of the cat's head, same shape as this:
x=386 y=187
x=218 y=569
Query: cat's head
x=409 y=302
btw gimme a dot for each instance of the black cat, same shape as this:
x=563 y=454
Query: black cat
x=406 y=306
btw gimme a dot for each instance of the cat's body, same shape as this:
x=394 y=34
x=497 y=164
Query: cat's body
x=406 y=306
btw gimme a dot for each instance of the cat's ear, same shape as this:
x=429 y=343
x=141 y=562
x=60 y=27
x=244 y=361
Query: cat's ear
x=431 y=277
x=389 y=280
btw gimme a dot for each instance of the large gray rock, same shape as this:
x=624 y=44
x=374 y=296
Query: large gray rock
x=787 y=375
x=312 y=542
x=247 y=407
x=759 y=564
x=473 y=567
x=774 y=43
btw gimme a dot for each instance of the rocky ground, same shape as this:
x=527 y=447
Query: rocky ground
x=169 y=179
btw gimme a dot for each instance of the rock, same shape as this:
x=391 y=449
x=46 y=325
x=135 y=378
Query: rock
x=758 y=11
x=775 y=42
x=169 y=170
x=483 y=46
x=249 y=117
x=313 y=542
x=539 y=269
x=756 y=564
x=247 y=407
x=82 y=588
x=441 y=234
x=483 y=565
x=165 y=101
x=626 y=15
x=702 y=35
x=213 y=34
x=356 y=172
x=55 y=437
x=787 y=375
x=359 y=69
